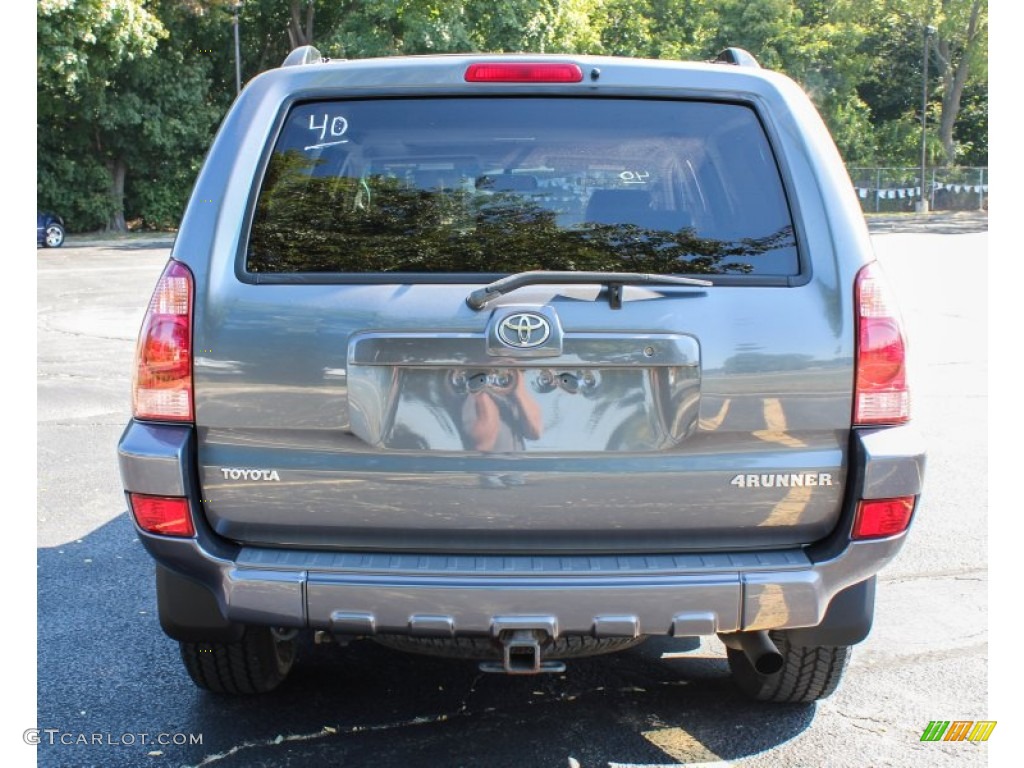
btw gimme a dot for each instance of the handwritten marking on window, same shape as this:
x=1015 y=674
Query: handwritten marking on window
x=635 y=177
x=334 y=126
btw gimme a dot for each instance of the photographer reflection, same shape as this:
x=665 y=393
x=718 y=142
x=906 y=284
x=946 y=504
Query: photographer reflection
x=498 y=415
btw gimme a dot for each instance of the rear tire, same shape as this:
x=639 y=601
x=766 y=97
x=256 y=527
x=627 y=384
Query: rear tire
x=808 y=673
x=257 y=663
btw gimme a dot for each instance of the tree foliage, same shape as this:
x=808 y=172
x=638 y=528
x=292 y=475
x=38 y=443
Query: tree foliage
x=123 y=105
x=130 y=91
x=81 y=41
x=958 y=72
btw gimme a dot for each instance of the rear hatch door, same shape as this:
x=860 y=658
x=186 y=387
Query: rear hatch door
x=348 y=396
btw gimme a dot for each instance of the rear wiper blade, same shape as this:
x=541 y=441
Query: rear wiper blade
x=614 y=281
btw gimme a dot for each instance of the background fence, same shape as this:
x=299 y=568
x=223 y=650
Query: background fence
x=890 y=190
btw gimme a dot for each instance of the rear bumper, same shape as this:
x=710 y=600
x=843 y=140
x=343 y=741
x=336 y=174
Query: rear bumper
x=443 y=595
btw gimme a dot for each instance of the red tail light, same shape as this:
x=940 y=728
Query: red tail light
x=166 y=515
x=877 y=518
x=881 y=393
x=523 y=72
x=162 y=386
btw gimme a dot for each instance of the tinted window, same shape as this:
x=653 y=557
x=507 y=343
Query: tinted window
x=513 y=184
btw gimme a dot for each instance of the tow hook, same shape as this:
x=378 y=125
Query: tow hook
x=521 y=654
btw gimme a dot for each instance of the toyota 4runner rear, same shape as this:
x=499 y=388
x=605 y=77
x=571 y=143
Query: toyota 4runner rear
x=520 y=358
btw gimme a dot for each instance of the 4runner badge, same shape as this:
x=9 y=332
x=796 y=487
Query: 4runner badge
x=233 y=473
x=792 y=480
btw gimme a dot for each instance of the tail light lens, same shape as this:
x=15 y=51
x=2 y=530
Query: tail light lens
x=877 y=518
x=165 y=515
x=162 y=385
x=881 y=393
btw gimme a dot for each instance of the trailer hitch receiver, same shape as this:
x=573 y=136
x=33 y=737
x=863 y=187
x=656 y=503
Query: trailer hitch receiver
x=521 y=654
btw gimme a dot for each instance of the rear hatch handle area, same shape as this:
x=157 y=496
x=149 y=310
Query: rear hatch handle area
x=613 y=281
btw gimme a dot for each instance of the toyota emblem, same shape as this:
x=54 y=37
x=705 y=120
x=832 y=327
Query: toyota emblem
x=524 y=330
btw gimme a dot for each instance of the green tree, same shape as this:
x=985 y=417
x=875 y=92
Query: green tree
x=972 y=125
x=959 y=53
x=81 y=45
x=80 y=41
x=124 y=105
x=962 y=49
x=541 y=26
x=389 y=27
x=659 y=29
x=129 y=91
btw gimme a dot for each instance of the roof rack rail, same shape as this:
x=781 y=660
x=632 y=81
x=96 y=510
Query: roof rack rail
x=737 y=56
x=304 y=54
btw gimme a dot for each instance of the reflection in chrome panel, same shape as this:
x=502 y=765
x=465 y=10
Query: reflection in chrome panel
x=512 y=409
x=443 y=392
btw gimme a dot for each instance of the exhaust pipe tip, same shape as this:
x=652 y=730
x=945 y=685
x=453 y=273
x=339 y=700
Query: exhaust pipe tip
x=768 y=663
x=763 y=655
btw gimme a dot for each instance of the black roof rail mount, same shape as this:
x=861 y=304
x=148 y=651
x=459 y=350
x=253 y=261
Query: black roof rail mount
x=304 y=54
x=737 y=56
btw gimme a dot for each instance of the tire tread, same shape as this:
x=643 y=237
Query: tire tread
x=808 y=673
x=250 y=666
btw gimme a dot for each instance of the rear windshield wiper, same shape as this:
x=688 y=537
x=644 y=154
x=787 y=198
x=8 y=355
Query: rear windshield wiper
x=613 y=281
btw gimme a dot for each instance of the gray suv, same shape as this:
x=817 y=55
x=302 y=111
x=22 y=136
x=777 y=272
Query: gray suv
x=517 y=359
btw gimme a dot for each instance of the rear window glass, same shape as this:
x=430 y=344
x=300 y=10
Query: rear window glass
x=503 y=185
